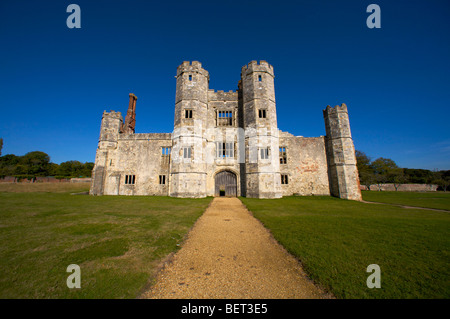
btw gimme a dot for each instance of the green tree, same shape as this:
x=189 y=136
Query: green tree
x=365 y=169
x=8 y=164
x=442 y=179
x=397 y=177
x=383 y=169
x=36 y=163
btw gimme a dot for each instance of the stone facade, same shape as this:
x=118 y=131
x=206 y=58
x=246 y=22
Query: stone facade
x=225 y=144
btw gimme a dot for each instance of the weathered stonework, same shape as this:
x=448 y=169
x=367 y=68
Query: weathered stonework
x=225 y=143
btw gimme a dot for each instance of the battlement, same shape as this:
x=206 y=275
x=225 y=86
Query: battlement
x=253 y=66
x=220 y=95
x=194 y=67
x=334 y=110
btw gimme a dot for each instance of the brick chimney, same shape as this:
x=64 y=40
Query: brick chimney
x=130 y=119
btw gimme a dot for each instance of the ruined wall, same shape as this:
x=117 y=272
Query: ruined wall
x=138 y=155
x=306 y=165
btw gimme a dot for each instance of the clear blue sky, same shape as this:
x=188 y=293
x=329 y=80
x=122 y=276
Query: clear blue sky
x=55 y=82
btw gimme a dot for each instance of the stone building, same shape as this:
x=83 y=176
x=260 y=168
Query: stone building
x=225 y=144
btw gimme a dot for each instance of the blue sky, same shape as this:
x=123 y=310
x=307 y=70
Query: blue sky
x=55 y=82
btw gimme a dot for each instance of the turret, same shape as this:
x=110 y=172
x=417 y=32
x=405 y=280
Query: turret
x=263 y=178
x=188 y=165
x=109 y=134
x=341 y=158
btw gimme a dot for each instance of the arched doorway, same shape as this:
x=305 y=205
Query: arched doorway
x=226 y=184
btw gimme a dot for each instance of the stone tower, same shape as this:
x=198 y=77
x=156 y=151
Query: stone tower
x=109 y=134
x=262 y=174
x=188 y=165
x=343 y=173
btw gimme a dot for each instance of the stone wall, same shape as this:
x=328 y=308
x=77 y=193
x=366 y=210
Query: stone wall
x=402 y=187
x=138 y=155
x=306 y=165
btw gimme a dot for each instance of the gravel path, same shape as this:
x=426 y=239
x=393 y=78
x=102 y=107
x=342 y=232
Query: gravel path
x=229 y=254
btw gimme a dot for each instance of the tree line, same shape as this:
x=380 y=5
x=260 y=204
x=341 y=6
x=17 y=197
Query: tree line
x=34 y=164
x=385 y=170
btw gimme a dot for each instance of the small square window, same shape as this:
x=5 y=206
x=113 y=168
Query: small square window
x=264 y=153
x=130 y=179
x=259 y=78
x=284 y=179
x=162 y=179
x=190 y=77
x=187 y=152
x=262 y=114
x=188 y=114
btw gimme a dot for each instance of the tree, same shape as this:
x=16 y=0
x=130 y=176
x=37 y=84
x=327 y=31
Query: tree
x=365 y=169
x=8 y=164
x=397 y=177
x=442 y=179
x=36 y=163
x=383 y=169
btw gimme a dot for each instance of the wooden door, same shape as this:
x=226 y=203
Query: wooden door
x=226 y=184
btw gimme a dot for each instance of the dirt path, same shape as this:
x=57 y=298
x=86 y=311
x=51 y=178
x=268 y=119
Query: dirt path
x=229 y=254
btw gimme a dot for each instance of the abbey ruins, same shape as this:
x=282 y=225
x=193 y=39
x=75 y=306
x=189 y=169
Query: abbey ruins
x=225 y=144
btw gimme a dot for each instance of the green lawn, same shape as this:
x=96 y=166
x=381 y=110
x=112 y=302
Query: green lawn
x=337 y=239
x=117 y=241
x=438 y=200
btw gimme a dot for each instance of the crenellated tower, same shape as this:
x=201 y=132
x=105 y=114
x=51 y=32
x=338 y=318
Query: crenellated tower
x=341 y=158
x=260 y=123
x=188 y=165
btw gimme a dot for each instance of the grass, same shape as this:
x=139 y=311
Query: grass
x=117 y=241
x=337 y=239
x=44 y=187
x=437 y=200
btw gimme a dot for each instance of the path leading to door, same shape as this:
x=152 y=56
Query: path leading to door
x=229 y=254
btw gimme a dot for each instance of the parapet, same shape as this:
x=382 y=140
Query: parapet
x=222 y=96
x=334 y=110
x=195 y=67
x=112 y=114
x=253 y=66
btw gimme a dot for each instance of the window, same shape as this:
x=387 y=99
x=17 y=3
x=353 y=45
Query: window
x=224 y=118
x=130 y=179
x=264 y=153
x=259 y=78
x=162 y=179
x=284 y=179
x=187 y=152
x=190 y=77
x=165 y=155
x=188 y=114
x=225 y=149
x=262 y=114
x=165 y=151
x=283 y=157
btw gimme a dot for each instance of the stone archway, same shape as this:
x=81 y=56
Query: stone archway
x=225 y=184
